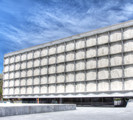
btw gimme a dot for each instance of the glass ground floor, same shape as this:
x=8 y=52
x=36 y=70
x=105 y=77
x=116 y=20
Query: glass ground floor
x=102 y=101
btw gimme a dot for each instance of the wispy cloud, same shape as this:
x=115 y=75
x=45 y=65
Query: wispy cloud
x=35 y=22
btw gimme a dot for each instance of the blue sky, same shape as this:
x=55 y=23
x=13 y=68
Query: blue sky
x=25 y=23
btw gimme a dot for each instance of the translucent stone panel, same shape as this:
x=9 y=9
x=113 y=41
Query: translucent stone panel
x=11 y=75
x=16 y=90
x=43 y=89
x=103 y=62
x=12 y=59
x=128 y=46
x=44 y=52
x=44 y=71
x=23 y=73
x=5 y=91
x=103 y=74
x=128 y=71
x=60 y=48
x=91 y=53
x=23 y=57
x=116 y=60
x=51 y=69
x=103 y=38
x=116 y=85
x=6 y=61
x=115 y=36
x=51 y=88
x=36 y=81
x=6 y=68
x=36 y=54
x=70 y=77
x=116 y=72
x=11 y=90
x=22 y=90
x=30 y=55
x=29 y=64
x=80 y=54
x=52 y=79
x=60 y=68
x=36 y=63
x=70 y=56
x=91 y=75
x=69 y=88
x=80 y=65
x=36 y=71
x=80 y=87
x=44 y=61
x=91 y=64
x=60 y=78
x=29 y=72
x=6 y=76
x=128 y=33
x=91 y=87
x=17 y=58
x=52 y=50
x=70 y=46
x=129 y=84
x=17 y=82
x=103 y=86
x=52 y=60
x=17 y=66
x=60 y=58
x=60 y=88
x=29 y=90
x=44 y=80
x=128 y=58
x=115 y=48
x=23 y=82
x=11 y=83
x=29 y=81
x=91 y=41
x=36 y=90
x=80 y=44
x=5 y=84
x=23 y=65
x=103 y=50
x=80 y=76
x=70 y=67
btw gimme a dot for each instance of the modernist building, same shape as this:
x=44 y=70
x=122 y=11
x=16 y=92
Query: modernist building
x=97 y=64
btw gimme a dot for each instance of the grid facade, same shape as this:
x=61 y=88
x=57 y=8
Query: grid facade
x=98 y=63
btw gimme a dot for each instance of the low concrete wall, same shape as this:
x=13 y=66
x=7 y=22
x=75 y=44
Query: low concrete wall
x=21 y=109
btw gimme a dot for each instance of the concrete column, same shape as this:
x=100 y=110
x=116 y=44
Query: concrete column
x=96 y=62
x=60 y=100
x=123 y=73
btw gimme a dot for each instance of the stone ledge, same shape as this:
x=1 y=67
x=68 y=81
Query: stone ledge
x=21 y=109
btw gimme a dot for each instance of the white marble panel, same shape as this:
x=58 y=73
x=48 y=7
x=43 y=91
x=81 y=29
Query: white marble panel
x=80 y=54
x=91 y=87
x=91 y=41
x=115 y=36
x=70 y=46
x=80 y=87
x=69 y=88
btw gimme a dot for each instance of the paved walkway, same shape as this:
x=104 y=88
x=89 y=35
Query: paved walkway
x=82 y=113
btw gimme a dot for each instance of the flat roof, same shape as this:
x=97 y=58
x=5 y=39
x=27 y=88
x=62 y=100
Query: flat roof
x=78 y=36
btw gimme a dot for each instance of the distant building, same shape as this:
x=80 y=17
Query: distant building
x=96 y=66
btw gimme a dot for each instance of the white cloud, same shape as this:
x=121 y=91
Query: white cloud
x=51 y=24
